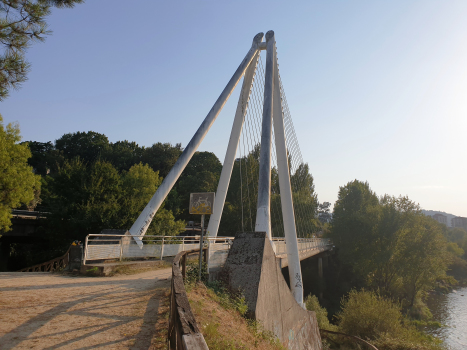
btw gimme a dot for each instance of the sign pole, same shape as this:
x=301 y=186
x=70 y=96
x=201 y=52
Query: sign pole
x=201 y=204
x=201 y=247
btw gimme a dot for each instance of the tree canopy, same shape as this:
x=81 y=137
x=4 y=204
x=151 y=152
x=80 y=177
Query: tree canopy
x=86 y=145
x=84 y=199
x=388 y=242
x=18 y=184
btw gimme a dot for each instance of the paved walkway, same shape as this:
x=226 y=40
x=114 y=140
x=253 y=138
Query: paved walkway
x=51 y=311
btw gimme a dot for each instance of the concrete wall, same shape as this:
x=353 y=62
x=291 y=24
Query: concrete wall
x=252 y=268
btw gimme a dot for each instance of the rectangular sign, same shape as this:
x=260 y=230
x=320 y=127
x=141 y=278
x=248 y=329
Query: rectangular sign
x=201 y=203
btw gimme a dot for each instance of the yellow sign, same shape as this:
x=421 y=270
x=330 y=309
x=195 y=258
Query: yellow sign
x=201 y=203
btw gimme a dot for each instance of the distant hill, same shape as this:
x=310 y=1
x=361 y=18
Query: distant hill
x=433 y=212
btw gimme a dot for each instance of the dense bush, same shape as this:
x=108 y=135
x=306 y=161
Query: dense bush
x=312 y=304
x=367 y=315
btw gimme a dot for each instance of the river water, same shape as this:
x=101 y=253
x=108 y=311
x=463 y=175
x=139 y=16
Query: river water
x=450 y=310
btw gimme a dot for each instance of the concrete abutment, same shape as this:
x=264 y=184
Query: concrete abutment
x=252 y=268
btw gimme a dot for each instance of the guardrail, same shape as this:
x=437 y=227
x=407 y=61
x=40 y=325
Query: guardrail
x=51 y=265
x=184 y=333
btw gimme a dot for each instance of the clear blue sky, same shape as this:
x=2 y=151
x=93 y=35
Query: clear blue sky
x=377 y=89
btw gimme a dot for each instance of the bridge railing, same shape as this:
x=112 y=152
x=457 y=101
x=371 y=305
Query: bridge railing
x=304 y=244
x=51 y=265
x=99 y=247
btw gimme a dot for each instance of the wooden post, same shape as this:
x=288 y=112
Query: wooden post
x=183 y=265
x=85 y=250
x=121 y=248
x=162 y=248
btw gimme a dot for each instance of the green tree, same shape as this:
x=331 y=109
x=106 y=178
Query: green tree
x=45 y=158
x=324 y=212
x=85 y=199
x=239 y=212
x=82 y=199
x=21 y=23
x=123 y=154
x=161 y=156
x=302 y=181
x=18 y=184
x=390 y=245
x=138 y=186
x=203 y=161
x=87 y=145
x=353 y=223
x=421 y=256
x=458 y=235
x=393 y=215
x=201 y=175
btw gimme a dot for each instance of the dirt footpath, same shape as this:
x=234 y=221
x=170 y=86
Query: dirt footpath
x=51 y=311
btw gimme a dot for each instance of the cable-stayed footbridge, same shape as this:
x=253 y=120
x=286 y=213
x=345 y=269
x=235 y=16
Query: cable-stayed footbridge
x=276 y=197
x=263 y=158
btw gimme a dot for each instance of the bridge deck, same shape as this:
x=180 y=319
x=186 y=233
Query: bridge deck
x=304 y=254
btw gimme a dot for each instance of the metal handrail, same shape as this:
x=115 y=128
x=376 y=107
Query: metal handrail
x=92 y=240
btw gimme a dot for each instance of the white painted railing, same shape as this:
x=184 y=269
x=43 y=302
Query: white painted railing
x=100 y=247
x=303 y=244
x=105 y=247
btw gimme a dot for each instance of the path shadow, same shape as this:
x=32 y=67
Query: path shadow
x=148 y=328
x=114 y=297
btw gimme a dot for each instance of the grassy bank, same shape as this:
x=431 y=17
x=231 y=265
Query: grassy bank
x=220 y=318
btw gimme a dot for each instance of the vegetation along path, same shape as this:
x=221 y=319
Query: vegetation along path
x=54 y=311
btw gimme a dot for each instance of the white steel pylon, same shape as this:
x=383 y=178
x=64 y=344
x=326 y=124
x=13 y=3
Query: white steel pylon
x=272 y=115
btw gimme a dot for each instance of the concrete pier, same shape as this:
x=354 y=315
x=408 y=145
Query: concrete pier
x=252 y=268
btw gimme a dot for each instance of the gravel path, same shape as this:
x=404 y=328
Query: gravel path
x=51 y=311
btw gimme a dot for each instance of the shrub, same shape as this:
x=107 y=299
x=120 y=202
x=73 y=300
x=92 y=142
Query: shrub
x=367 y=315
x=372 y=317
x=227 y=299
x=192 y=272
x=312 y=304
x=409 y=339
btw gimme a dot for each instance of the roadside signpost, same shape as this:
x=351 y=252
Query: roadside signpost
x=201 y=204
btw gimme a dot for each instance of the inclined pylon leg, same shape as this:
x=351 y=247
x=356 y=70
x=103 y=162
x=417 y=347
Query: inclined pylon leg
x=263 y=214
x=141 y=224
x=234 y=140
x=295 y=273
